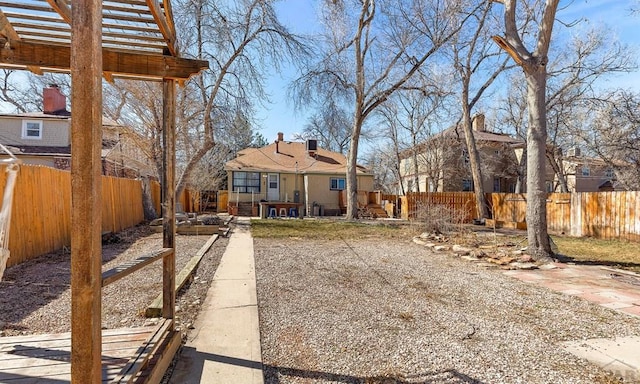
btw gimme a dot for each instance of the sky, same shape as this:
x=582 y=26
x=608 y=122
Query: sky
x=300 y=17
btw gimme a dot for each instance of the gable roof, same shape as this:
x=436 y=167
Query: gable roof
x=289 y=157
x=456 y=133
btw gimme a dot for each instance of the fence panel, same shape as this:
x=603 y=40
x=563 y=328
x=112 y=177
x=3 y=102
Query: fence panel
x=608 y=215
x=603 y=215
x=460 y=202
x=41 y=214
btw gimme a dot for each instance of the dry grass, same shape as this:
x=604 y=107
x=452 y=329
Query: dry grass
x=618 y=253
x=331 y=229
x=586 y=250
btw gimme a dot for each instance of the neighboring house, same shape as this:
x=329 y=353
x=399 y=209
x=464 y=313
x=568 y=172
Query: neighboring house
x=44 y=138
x=585 y=174
x=297 y=172
x=443 y=161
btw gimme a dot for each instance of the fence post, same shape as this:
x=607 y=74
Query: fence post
x=576 y=215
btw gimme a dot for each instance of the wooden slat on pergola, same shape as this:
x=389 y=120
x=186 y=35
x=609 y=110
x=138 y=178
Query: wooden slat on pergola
x=138 y=38
x=92 y=39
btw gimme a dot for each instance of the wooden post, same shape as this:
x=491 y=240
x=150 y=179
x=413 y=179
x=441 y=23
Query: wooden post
x=86 y=191
x=168 y=197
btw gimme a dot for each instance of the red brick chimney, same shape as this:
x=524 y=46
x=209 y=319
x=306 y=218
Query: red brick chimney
x=280 y=136
x=54 y=102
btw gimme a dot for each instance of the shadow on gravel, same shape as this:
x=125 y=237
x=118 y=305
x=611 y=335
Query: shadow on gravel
x=193 y=362
x=271 y=374
x=44 y=278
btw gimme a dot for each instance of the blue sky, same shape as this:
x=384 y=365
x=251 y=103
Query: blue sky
x=300 y=17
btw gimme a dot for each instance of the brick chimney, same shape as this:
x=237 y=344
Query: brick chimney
x=280 y=138
x=54 y=102
x=478 y=123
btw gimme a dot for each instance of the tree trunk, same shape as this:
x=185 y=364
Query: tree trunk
x=474 y=161
x=147 y=201
x=184 y=177
x=539 y=246
x=352 y=179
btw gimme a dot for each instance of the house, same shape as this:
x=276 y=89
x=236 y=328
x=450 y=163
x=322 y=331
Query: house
x=442 y=162
x=586 y=174
x=44 y=138
x=300 y=173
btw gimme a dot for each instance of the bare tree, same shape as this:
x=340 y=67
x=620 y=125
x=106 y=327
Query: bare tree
x=512 y=112
x=412 y=116
x=614 y=135
x=331 y=126
x=241 y=40
x=23 y=90
x=371 y=52
x=474 y=56
x=534 y=65
x=587 y=58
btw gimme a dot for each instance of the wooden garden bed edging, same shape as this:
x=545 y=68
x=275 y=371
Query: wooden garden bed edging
x=155 y=309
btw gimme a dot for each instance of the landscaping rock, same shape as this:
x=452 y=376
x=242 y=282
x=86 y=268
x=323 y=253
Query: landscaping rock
x=478 y=253
x=470 y=258
x=460 y=250
x=525 y=266
x=418 y=240
x=525 y=259
x=504 y=260
x=547 y=266
x=441 y=248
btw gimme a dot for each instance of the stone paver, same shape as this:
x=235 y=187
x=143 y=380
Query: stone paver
x=592 y=283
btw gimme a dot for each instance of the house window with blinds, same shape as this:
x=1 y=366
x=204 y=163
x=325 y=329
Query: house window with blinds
x=246 y=182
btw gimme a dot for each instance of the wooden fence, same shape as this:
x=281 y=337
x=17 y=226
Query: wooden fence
x=189 y=200
x=603 y=215
x=462 y=203
x=41 y=215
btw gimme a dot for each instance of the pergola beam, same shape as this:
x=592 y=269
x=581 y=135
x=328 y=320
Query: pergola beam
x=166 y=30
x=127 y=64
x=63 y=8
x=6 y=29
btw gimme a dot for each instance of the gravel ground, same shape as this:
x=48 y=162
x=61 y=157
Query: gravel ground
x=370 y=311
x=35 y=296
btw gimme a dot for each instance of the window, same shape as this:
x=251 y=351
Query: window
x=609 y=174
x=586 y=171
x=465 y=156
x=467 y=185
x=337 y=184
x=496 y=184
x=246 y=182
x=32 y=129
x=549 y=186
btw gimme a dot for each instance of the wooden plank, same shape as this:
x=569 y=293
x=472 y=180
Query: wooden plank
x=85 y=62
x=126 y=269
x=155 y=309
x=46 y=357
x=137 y=65
x=165 y=27
x=163 y=358
x=169 y=196
x=140 y=359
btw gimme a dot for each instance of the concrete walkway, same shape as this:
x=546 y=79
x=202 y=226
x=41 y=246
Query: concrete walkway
x=224 y=347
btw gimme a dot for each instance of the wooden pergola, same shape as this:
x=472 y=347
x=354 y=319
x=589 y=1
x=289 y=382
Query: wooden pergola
x=92 y=39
